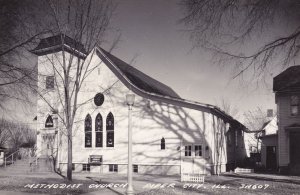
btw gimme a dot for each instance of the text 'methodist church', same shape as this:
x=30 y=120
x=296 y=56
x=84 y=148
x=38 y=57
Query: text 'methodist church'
x=170 y=135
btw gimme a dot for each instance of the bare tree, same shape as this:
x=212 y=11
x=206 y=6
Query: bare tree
x=86 y=22
x=228 y=107
x=254 y=120
x=4 y=135
x=223 y=26
x=16 y=36
x=16 y=134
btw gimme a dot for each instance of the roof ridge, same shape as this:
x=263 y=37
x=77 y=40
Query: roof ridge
x=156 y=85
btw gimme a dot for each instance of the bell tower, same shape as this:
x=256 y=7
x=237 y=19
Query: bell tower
x=54 y=53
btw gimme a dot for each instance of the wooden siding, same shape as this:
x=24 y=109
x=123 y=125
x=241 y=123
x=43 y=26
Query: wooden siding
x=284 y=119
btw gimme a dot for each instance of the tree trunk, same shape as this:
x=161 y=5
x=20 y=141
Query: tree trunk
x=69 y=169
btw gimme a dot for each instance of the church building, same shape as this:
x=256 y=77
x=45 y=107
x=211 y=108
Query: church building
x=171 y=135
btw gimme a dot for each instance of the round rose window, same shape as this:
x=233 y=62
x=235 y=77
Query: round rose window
x=99 y=99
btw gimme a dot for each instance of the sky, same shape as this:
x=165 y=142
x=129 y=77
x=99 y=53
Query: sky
x=160 y=46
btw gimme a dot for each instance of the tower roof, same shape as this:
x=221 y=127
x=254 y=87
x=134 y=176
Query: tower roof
x=58 y=43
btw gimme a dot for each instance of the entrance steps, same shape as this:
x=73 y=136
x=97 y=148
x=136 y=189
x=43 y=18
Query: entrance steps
x=43 y=164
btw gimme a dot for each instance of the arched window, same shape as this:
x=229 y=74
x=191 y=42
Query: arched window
x=88 y=131
x=110 y=130
x=99 y=130
x=49 y=122
x=162 y=144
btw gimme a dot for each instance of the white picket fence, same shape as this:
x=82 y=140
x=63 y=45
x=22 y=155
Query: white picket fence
x=192 y=177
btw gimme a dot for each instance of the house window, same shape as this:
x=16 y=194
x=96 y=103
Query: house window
x=73 y=167
x=188 y=150
x=162 y=144
x=113 y=168
x=86 y=167
x=99 y=130
x=110 y=130
x=294 y=105
x=135 y=168
x=50 y=82
x=49 y=122
x=198 y=150
x=88 y=131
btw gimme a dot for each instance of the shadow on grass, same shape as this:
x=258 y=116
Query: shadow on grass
x=60 y=174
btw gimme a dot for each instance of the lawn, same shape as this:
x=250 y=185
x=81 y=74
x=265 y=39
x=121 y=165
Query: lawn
x=233 y=185
x=229 y=184
x=39 y=185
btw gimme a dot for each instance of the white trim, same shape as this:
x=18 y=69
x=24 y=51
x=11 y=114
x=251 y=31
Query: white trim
x=58 y=46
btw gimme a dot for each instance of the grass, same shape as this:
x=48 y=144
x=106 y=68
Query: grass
x=17 y=183
x=230 y=184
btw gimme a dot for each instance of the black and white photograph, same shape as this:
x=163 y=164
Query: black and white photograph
x=149 y=97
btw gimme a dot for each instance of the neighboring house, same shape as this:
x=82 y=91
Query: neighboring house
x=286 y=86
x=2 y=154
x=171 y=135
x=269 y=146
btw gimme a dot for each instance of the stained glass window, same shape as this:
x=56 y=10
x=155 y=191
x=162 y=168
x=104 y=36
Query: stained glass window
x=88 y=131
x=99 y=130
x=110 y=130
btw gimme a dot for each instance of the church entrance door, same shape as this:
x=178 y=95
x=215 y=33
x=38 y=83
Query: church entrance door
x=48 y=145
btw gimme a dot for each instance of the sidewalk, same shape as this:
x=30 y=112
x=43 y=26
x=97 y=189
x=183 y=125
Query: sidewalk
x=2 y=192
x=265 y=177
x=30 y=174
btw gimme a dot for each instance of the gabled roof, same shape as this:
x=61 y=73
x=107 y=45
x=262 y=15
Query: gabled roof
x=269 y=128
x=265 y=124
x=58 y=43
x=140 y=79
x=148 y=87
x=287 y=80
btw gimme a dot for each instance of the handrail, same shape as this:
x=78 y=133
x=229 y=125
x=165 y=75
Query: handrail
x=11 y=155
x=36 y=157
